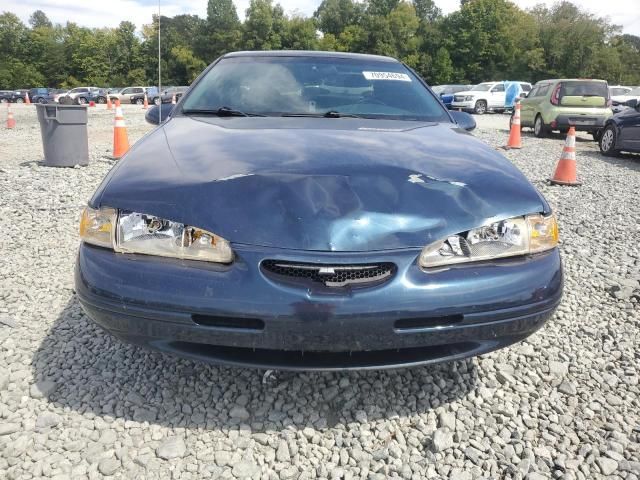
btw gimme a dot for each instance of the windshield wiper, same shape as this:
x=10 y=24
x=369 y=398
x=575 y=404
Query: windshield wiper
x=328 y=114
x=221 y=112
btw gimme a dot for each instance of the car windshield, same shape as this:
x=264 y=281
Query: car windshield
x=633 y=93
x=313 y=86
x=482 y=87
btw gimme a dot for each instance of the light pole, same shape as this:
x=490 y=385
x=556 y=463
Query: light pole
x=159 y=69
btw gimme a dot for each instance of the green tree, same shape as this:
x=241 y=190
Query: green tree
x=39 y=19
x=221 y=33
x=263 y=27
x=334 y=16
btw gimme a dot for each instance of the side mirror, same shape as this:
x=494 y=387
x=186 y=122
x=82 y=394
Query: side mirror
x=463 y=119
x=633 y=103
x=154 y=113
x=524 y=94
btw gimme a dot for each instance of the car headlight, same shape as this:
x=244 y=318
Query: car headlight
x=131 y=232
x=505 y=238
x=468 y=98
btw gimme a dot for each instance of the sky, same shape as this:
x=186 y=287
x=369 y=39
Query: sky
x=93 y=13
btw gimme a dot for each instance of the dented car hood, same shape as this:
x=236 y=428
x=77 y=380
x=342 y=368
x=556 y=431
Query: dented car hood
x=318 y=184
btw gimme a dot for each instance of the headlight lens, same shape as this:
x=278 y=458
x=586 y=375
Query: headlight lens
x=468 y=98
x=506 y=238
x=131 y=232
x=98 y=226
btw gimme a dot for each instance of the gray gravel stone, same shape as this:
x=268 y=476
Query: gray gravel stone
x=442 y=440
x=43 y=388
x=239 y=413
x=172 y=447
x=108 y=466
x=48 y=419
x=246 y=469
x=9 y=428
x=607 y=465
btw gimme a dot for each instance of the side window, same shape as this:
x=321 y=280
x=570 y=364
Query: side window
x=543 y=90
x=498 y=88
x=138 y=90
x=525 y=87
x=534 y=92
x=125 y=91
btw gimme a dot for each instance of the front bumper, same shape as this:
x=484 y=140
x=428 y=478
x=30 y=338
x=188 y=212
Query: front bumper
x=465 y=106
x=584 y=123
x=236 y=315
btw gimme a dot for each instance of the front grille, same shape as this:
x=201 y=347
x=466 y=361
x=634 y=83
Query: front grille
x=331 y=275
x=458 y=98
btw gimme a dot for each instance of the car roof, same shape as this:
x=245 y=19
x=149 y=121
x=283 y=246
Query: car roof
x=553 y=80
x=310 y=53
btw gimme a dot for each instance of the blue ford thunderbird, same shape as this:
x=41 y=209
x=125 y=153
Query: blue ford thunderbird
x=314 y=210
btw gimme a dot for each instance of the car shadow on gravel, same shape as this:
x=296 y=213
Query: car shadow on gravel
x=96 y=374
x=623 y=160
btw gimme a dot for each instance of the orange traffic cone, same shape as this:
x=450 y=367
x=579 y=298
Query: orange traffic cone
x=120 y=139
x=11 y=122
x=109 y=103
x=514 y=134
x=173 y=99
x=566 y=169
x=26 y=98
x=145 y=105
x=117 y=102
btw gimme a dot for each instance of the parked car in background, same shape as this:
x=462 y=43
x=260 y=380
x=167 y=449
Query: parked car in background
x=622 y=131
x=268 y=225
x=126 y=95
x=6 y=96
x=99 y=95
x=41 y=95
x=59 y=93
x=619 y=102
x=484 y=97
x=167 y=95
x=138 y=98
x=114 y=91
x=617 y=91
x=79 y=95
x=446 y=92
x=18 y=95
x=559 y=103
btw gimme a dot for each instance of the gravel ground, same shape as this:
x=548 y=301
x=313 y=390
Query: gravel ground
x=76 y=403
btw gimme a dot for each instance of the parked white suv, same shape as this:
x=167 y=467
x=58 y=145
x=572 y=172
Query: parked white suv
x=484 y=97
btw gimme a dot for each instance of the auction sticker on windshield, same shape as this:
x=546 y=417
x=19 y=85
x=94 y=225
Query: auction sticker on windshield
x=403 y=77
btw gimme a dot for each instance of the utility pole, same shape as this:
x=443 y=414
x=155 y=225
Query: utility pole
x=159 y=69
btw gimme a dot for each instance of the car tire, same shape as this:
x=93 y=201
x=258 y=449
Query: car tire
x=156 y=101
x=540 y=130
x=480 y=107
x=42 y=100
x=81 y=101
x=19 y=100
x=607 y=141
x=101 y=100
x=139 y=101
x=597 y=135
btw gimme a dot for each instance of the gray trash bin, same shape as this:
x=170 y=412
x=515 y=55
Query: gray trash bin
x=64 y=134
